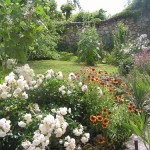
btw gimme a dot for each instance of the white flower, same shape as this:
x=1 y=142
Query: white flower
x=51 y=72
x=28 y=117
x=69 y=92
x=99 y=91
x=69 y=143
x=39 y=117
x=17 y=92
x=84 y=140
x=69 y=110
x=4 y=127
x=26 y=144
x=72 y=75
x=10 y=63
x=59 y=75
x=43 y=128
x=24 y=95
x=49 y=119
x=4 y=94
x=87 y=135
x=48 y=76
x=63 y=111
x=58 y=132
x=62 y=88
x=36 y=108
x=63 y=92
x=60 y=141
x=84 y=88
x=53 y=110
x=21 y=124
x=80 y=84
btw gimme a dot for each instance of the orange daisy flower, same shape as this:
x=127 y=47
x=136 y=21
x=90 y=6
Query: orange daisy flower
x=93 y=118
x=131 y=109
x=104 y=125
x=101 y=140
x=131 y=104
x=138 y=110
x=99 y=118
x=93 y=69
x=119 y=98
x=115 y=81
x=105 y=121
x=104 y=110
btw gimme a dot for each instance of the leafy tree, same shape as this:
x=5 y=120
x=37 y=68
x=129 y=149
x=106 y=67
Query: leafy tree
x=67 y=10
x=23 y=24
x=76 y=3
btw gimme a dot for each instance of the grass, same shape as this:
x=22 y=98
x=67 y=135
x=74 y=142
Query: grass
x=65 y=66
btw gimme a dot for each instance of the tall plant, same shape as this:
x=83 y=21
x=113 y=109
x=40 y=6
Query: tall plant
x=89 y=46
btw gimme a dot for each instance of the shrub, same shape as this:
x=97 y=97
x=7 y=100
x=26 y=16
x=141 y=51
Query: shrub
x=89 y=46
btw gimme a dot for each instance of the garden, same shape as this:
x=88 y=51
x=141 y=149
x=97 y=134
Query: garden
x=94 y=96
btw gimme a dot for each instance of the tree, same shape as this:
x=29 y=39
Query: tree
x=67 y=10
x=76 y=3
x=23 y=24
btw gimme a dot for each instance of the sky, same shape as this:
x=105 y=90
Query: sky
x=111 y=6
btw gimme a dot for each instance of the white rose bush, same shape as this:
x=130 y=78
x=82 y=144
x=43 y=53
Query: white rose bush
x=22 y=121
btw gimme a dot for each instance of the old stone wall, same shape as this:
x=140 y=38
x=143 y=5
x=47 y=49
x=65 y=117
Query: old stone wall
x=136 y=27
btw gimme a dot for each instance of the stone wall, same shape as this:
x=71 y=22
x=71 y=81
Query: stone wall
x=136 y=26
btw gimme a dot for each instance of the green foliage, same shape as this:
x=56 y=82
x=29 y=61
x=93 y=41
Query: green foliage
x=89 y=46
x=95 y=21
x=139 y=85
x=138 y=125
x=82 y=17
x=64 y=56
x=88 y=17
x=67 y=9
x=125 y=66
x=108 y=42
x=134 y=9
x=120 y=40
x=24 y=24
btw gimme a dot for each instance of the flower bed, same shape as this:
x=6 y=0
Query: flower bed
x=41 y=111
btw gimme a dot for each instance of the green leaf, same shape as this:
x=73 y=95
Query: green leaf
x=148 y=137
x=7 y=2
x=135 y=129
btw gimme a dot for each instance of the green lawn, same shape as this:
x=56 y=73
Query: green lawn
x=64 y=66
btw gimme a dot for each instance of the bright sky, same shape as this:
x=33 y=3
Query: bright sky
x=111 y=6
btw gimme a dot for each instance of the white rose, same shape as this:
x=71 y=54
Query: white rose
x=21 y=124
x=28 y=117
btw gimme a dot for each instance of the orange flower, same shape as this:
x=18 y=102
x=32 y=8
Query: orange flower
x=119 y=98
x=105 y=121
x=115 y=81
x=138 y=110
x=104 y=125
x=101 y=140
x=131 y=104
x=93 y=118
x=93 y=69
x=123 y=84
x=99 y=118
x=104 y=110
x=131 y=109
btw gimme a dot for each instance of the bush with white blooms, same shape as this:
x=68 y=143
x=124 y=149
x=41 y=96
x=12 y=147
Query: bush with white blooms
x=32 y=127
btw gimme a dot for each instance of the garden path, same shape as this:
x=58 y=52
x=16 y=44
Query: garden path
x=130 y=144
